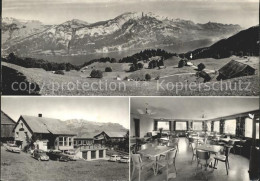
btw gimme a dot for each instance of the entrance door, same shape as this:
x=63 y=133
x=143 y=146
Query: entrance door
x=85 y=155
x=137 y=127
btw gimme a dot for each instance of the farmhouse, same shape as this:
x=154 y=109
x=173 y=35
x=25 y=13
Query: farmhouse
x=235 y=69
x=7 y=126
x=45 y=133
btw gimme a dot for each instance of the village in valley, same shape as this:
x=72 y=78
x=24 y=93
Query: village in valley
x=48 y=145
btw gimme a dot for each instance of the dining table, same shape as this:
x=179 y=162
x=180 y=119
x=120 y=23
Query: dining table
x=229 y=139
x=210 y=148
x=155 y=152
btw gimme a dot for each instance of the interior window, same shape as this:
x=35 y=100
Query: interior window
x=197 y=126
x=181 y=126
x=164 y=125
x=216 y=126
x=230 y=126
x=248 y=127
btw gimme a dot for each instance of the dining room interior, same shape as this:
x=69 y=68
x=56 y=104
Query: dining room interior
x=194 y=138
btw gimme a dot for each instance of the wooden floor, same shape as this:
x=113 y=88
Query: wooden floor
x=186 y=170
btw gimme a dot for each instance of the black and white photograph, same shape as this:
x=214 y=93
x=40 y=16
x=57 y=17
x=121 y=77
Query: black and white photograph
x=65 y=138
x=130 y=47
x=194 y=138
x=130 y=90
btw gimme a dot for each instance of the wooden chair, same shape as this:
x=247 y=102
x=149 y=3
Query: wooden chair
x=203 y=156
x=223 y=158
x=193 y=147
x=175 y=141
x=191 y=140
x=203 y=159
x=230 y=144
x=167 y=162
x=139 y=164
x=240 y=146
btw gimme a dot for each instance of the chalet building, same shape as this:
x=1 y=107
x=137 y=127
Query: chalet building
x=7 y=126
x=85 y=139
x=235 y=69
x=103 y=137
x=44 y=133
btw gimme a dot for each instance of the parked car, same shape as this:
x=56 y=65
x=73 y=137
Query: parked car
x=71 y=154
x=125 y=159
x=13 y=148
x=114 y=158
x=40 y=155
x=57 y=155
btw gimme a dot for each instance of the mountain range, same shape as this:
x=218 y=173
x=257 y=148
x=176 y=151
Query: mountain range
x=90 y=128
x=246 y=42
x=125 y=32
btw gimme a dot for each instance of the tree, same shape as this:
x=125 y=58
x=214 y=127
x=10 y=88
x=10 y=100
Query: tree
x=133 y=68
x=160 y=63
x=201 y=66
x=108 y=69
x=96 y=73
x=148 y=77
x=59 y=72
x=182 y=63
x=140 y=65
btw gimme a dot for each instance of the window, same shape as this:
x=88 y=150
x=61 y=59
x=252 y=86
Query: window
x=216 y=126
x=85 y=142
x=164 y=125
x=197 y=126
x=248 y=127
x=181 y=126
x=79 y=142
x=230 y=126
x=208 y=126
x=65 y=141
x=60 y=141
x=70 y=141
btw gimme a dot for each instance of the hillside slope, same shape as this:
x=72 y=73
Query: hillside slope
x=245 y=42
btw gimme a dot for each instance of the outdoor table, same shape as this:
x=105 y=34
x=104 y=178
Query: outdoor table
x=155 y=152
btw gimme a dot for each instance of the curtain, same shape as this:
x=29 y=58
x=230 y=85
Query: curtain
x=155 y=126
x=240 y=128
x=222 y=126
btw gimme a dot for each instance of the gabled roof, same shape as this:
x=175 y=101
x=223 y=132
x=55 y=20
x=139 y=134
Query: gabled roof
x=89 y=135
x=233 y=68
x=115 y=134
x=5 y=119
x=46 y=125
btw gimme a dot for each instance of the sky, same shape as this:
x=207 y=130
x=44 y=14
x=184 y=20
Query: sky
x=98 y=109
x=242 y=12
